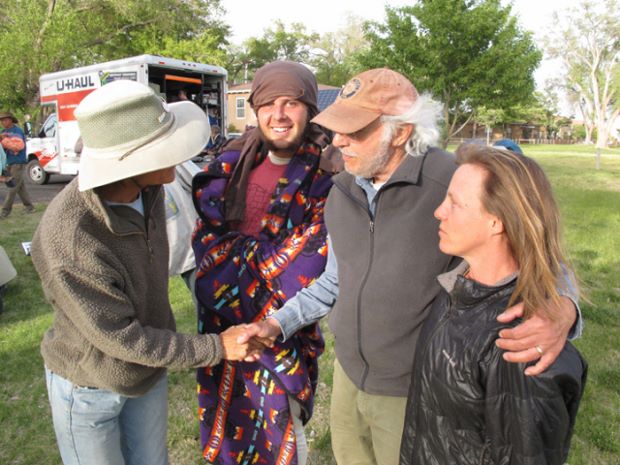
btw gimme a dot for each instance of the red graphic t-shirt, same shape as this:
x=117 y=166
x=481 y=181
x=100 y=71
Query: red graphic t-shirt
x=261 y=187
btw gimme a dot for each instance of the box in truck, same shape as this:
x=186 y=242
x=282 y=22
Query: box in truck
x=56 y=149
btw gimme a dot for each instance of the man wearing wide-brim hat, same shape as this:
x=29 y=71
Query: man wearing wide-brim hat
x=102 y=254
x=14 y=145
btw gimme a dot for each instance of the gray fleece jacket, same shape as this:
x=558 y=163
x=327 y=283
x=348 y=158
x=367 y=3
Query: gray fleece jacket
x=104 y=270
x=387 y=263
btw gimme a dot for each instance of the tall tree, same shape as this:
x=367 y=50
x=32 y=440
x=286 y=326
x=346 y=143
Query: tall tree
x=39 y=36
x=467 y=53
x=543 y=109
x=586 y=39
x=489 y=118
x=333 y=55
x=277 y=43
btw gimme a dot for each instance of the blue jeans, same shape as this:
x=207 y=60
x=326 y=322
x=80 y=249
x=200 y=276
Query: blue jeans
x=99 y=427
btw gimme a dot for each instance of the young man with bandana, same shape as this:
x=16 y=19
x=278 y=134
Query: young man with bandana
x=260 y=239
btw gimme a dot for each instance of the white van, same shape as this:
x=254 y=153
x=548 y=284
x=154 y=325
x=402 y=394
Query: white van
x=54 y=150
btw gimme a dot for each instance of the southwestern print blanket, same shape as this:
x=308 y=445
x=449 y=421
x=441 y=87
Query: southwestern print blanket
x=244 y=407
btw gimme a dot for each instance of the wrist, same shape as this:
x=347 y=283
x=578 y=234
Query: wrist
x=274 y=327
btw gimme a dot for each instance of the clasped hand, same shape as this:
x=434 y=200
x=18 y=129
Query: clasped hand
x=238 y=345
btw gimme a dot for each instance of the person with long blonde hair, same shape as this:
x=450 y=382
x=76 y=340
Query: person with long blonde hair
x=466 y=404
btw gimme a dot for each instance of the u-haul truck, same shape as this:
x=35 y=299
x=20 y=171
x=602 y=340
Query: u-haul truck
x=54 y=151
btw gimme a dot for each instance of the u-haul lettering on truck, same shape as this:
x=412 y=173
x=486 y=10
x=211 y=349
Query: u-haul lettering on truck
x=76 y=83
x=88 y=81
x=68 y=92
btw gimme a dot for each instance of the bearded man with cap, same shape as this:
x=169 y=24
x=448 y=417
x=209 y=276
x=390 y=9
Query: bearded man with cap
x=382 y=263
x=102 y=254
x=261 y=238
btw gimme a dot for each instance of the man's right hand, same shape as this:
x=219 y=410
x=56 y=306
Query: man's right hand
x=266 y=330
x=237 y=347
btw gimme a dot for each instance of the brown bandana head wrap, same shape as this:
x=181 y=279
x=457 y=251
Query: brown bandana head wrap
x=277 y=79
x=284 y=79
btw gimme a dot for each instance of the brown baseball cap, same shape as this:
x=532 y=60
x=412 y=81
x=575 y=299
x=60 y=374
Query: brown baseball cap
x=365 y=98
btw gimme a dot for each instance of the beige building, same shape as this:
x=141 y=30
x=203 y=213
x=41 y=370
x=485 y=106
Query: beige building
x=519 y=132
x=240 y=114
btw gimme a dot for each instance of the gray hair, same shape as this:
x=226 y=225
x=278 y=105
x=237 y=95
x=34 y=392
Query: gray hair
x=424 y=114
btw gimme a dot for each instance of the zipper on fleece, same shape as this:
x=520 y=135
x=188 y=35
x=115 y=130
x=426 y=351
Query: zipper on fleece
x=371 y=229
x=359 y=304
x=147 y=222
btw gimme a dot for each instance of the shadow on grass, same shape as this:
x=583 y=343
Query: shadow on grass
x=23 y=303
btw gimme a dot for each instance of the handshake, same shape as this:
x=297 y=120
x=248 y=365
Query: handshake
x=247 y=341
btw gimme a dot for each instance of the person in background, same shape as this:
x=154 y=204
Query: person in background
x=508 y=144
x=215 y=141
x=383 y=257
x=260 y=239
x=101 y=251
x=14 y=144
x=180 y=222
x=466 y=403
x=27 y=126
x=4 y=172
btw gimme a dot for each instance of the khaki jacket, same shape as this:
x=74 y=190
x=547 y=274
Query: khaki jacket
x=104 y=270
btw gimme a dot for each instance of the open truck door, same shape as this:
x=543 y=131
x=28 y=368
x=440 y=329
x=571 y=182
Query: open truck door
x=54 y=151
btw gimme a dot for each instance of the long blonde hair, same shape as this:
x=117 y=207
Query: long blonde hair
x=517 y=191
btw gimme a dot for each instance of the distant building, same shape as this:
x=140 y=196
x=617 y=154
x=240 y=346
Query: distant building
x=516 y=131
x=240 y=114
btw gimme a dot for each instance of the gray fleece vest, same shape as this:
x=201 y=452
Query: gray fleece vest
x=386 y=270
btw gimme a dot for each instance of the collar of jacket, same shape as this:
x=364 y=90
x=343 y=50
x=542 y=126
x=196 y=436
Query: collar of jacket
x=123 y=220
x=467 y=292
x=409 y=171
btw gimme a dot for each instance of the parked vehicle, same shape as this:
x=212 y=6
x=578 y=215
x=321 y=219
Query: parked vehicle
x=54 y=150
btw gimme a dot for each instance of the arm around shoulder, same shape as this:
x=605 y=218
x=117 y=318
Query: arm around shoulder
x=531 y=419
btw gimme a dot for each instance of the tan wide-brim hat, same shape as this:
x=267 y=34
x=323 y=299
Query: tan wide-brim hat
x=127 y=130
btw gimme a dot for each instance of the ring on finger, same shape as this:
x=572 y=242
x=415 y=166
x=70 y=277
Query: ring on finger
x=538 y=349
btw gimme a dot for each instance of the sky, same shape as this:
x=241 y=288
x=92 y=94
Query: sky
x=330 y=15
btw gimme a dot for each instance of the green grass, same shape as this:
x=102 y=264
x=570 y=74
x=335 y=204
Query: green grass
x=590 y=204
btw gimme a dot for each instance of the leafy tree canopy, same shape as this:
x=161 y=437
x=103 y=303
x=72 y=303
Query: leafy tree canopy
x=40 y=36
x=467 y=53
x=276 y=43
x=334 y=54
x=585 y=39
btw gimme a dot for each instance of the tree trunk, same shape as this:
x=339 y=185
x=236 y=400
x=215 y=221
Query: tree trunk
x=601 y=137
x=446 y=119
x=605 y=128
x=589 y=129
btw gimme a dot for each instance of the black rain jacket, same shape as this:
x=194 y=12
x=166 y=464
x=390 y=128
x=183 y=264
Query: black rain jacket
x=467 y=405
